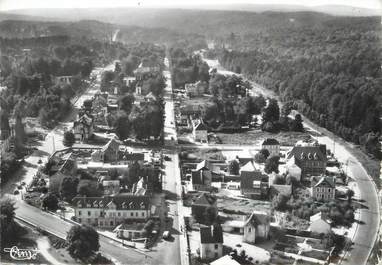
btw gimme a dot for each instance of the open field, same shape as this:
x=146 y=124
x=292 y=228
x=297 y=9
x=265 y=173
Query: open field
x=255 y=137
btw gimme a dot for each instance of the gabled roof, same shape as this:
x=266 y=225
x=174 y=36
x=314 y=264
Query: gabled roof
x=205 y=199
x=211 y=234
x=203 y=165
x=258 y=218
x=316 y=217
x=249 y=167
x=325 y=180
x=112 y=144
x=308 y=153
x=225 y=260
x=201 y=127
x=270 y=141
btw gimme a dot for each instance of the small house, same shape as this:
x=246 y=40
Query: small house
x=319 y=224
x=200 y=132
x=211 y=242
x=251 y=181
x=323 y=188
x=110 y=151
x=272 y=145
x=130 y=230
x=256 y=227
x=196 y=89
x=83 y=128
x=201 y=177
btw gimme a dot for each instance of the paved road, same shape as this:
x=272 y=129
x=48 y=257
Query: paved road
x=368 y=228
x=172 y=252
x=52 y=223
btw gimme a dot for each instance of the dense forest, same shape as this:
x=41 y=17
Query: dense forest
x=331 y=72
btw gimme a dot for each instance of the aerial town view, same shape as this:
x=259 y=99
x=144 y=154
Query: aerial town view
x=191 y=132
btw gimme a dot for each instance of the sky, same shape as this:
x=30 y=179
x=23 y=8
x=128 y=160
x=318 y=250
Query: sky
x=24 y=4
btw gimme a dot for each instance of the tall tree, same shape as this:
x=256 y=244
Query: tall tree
x=83 y=241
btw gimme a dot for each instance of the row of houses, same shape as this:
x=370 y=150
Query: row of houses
x=304 y=162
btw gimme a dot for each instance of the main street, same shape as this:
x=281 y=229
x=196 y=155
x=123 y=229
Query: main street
x=367 y=230
x=172 y=252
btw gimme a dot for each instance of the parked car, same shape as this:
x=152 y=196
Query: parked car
x=166 y=234
x=167 y=158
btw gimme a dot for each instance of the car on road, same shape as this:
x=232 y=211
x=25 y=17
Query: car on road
x=16 y=192
x=166 y=234
x=167 y=158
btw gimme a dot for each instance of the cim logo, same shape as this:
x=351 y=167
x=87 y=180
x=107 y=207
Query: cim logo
x=21 y=254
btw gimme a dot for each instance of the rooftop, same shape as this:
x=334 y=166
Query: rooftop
x=211 y=234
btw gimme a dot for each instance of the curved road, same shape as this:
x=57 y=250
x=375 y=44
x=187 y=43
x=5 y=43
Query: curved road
x=368 y=227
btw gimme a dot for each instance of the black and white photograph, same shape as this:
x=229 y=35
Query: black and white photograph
x=203 y=132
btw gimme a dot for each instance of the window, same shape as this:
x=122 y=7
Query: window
x=119 y=214
x=216 y=246
x=79 y=213
x=89 y=213
x=136 y=214
x=216 y=255
x=329 y=190
x=143 y=214
x=111 y=223
x=89 y=220
x=131 y=214
x=249 y=229
x=79 y=220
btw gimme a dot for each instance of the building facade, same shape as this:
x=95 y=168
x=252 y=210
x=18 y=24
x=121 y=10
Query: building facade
x=211 y=242
x=272 y=145
x=311 y=159
x=110 y=211
x=323 y=188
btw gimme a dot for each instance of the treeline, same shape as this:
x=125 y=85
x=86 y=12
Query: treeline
x=331 y=72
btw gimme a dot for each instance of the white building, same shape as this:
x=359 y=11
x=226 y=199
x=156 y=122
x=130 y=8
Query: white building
x=110 y=211
x=318 y=224
x=211 y=242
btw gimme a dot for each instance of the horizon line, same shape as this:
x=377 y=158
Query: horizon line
x=193 y=6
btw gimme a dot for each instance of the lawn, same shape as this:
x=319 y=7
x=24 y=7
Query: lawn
x=241 y=206
x=255 y=137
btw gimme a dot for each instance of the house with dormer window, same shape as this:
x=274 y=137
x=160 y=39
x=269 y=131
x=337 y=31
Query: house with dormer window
x=110 y=211
x=310 y=158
